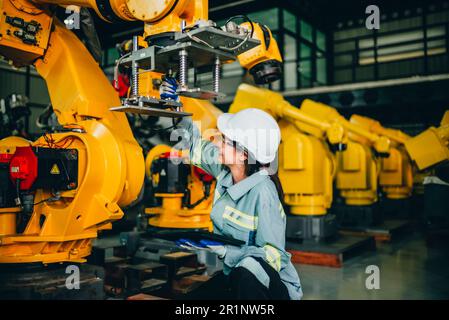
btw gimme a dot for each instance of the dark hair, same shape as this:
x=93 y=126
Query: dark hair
x=254 y=166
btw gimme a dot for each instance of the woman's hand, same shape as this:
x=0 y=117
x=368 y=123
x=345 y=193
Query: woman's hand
x=207 y=245
x=216 y=247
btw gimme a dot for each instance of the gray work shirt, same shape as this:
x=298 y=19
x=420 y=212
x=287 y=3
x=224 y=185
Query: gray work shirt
x=249 y=210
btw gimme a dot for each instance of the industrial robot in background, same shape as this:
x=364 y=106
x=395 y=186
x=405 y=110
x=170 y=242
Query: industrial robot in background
x=311 y=134
x=413 y=163
x=430 y=148
x=397 y=173
x=59 y=191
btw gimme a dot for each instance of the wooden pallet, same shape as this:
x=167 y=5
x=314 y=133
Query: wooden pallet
x=141 y=296
x=188 y=284
x=389 y=231
x=331 y=254
x=130 y=276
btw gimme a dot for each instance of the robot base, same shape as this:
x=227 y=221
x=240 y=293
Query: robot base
x=396 y=208
x=316 y=241
x=369 y=221
x=53 y=282
x=311 y=228
x=358 y=217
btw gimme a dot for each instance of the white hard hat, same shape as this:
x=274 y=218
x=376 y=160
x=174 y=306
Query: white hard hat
x=253 y=129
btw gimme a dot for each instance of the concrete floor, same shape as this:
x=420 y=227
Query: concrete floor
x=408 y=270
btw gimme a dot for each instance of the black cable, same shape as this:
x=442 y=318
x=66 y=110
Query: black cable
x=53 y=198
x=18 y=192
x=245 y=17
x=39 y=202
x=206 y=195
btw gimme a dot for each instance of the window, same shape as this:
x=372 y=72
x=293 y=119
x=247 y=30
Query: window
x=267 y=17
x=290 y=75
x=305 y=71
x=321 y=73
x=289 y=48
x=306 y=31
x=289 y=21
x=303 y=50
x=402 y=47
x=320 y=40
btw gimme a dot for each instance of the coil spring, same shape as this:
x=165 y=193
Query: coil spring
x=183 y=68
x=217 y=75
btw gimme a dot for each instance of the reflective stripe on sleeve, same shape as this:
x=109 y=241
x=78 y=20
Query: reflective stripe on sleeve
x=273 y=257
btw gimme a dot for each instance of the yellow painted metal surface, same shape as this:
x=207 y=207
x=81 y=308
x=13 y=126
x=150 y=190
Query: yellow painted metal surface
x=156 y=23
x=396 y=174
x=8 y=218
x=357 y=173
x=11 y=46
x=396 y=170
x=264 y=52
x=306 y=169
x=429 y=147
x=172 y=213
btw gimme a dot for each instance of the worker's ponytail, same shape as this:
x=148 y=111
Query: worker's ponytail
x=254 y=166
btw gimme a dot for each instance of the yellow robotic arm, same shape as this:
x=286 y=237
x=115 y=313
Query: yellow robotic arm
x=374 y=126
x=396 y=170
x=263 y=62
x=303 y=155
x=73 y=183
x=58 y=221
x=357 y=172
x=430 y=147
x=312 y=117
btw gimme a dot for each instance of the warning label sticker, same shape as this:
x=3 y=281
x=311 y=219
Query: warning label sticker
x=55 y=169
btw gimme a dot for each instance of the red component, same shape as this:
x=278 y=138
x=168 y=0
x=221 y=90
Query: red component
x=23 y=167
x=122 y=85
x=5 y=157
x=202 y=175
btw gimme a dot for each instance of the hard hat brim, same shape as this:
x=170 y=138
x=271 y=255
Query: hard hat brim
x=223 y=125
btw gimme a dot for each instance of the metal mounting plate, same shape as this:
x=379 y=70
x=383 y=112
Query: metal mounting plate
x=152 y=111
x=163 y=59
x=219 y=39
x=197 y=93
x=151 y=106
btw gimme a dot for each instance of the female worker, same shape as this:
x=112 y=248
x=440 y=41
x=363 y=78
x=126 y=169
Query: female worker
x=247 y=206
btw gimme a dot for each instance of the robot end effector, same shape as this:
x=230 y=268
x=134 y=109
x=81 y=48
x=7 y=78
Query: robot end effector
x=263 y=62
